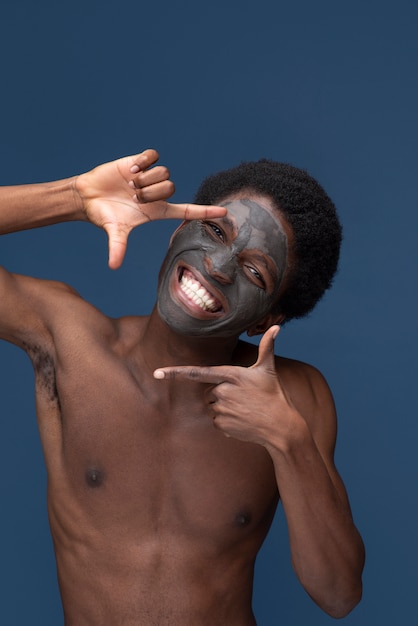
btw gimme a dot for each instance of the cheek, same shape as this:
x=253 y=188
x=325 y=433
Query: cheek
x=252 y=303
x=191 y=239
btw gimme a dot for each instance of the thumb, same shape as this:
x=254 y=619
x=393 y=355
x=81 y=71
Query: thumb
x=118 y=241
x=266 y=350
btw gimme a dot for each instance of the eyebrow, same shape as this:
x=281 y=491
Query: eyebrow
x=226 y=220
x=269 y=263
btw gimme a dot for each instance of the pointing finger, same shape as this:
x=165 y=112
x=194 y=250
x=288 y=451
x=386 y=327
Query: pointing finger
x=214 y=375
x=194 y=211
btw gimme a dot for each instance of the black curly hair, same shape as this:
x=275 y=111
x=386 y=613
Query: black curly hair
x=310 y=213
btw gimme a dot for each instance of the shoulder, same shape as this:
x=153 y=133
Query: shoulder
x=61 y=303
x=311 y=395
x=297 y=375
x=77 y=317
x=246 y=354
x=303 y=381
x=53 y=312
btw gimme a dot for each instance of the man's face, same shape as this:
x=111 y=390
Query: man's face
x=220 y=277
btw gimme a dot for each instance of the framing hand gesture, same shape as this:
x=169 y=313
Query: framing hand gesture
x=123 y=194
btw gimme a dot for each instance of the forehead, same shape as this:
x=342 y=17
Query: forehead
x=254 y=223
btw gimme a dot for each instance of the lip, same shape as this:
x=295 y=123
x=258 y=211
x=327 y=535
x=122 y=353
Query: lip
x=182 y=300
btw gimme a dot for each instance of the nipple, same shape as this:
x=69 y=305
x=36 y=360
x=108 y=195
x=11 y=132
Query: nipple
x=94 y=477
x=243 y=519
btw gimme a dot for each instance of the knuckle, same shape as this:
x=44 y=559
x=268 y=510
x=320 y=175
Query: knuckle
x=168 y=188
x=163 y=172
x=187 y=212
x=170 y=374
x=194 y=373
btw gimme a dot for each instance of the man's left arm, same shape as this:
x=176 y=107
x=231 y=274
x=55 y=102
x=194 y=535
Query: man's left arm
x=252 y=404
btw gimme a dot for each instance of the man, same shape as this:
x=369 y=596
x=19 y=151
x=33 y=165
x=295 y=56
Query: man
x=168 y=441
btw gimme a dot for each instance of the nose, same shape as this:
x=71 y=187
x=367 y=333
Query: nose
x=223 y=271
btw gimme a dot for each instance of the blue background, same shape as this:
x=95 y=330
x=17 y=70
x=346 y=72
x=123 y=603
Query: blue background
x=329 y=86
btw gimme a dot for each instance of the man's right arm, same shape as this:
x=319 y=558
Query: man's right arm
x=117 y=196
x=28 y=305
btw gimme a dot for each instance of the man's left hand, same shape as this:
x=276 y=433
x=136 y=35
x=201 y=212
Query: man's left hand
x=244 y=402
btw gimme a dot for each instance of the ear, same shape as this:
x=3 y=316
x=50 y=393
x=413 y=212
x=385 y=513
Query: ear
x=265 y=323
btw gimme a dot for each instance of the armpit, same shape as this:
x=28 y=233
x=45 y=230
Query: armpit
x=45 y=373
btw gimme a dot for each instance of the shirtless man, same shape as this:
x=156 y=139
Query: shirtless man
x=167 y=440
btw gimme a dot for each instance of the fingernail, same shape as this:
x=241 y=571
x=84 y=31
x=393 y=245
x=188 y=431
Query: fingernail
x=159 y=374
x=134 y=169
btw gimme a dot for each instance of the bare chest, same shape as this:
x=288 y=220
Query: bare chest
x=129 y=453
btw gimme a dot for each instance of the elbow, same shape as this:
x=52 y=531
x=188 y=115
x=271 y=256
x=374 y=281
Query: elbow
x=346 y=592
x=338 y=595
x=342 y=589
x=341 y=604
x=339 y=589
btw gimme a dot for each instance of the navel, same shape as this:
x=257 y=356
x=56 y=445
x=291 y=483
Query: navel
x=94 y=477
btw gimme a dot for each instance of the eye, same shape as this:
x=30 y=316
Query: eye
x=216 y=230
x=256 y=275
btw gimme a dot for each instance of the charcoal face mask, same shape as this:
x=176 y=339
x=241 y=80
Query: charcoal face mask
x=222 y=260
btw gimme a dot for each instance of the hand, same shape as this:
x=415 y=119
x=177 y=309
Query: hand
x=247 y=403
x=123 y=194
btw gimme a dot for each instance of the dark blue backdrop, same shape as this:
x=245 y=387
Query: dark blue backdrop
x=326 y=85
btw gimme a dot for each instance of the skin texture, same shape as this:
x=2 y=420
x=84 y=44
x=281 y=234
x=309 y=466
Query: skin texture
x=239 y=259
x=162 y=487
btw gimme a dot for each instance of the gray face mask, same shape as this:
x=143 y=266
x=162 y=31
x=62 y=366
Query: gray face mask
x=220 y=277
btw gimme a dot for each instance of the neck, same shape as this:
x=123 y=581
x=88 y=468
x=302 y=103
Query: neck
x=175 y=349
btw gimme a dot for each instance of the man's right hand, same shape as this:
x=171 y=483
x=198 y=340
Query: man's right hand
x=123 y=194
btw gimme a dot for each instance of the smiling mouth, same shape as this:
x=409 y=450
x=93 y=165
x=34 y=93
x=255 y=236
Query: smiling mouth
x=198 y=294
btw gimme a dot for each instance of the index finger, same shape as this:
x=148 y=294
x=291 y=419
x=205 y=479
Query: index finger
x=193 y=211
x=213 y=375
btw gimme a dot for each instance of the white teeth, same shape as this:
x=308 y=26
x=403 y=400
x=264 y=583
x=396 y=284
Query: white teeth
x=198 y=294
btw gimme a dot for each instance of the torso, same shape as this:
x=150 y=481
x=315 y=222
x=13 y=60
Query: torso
x=156 y=516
